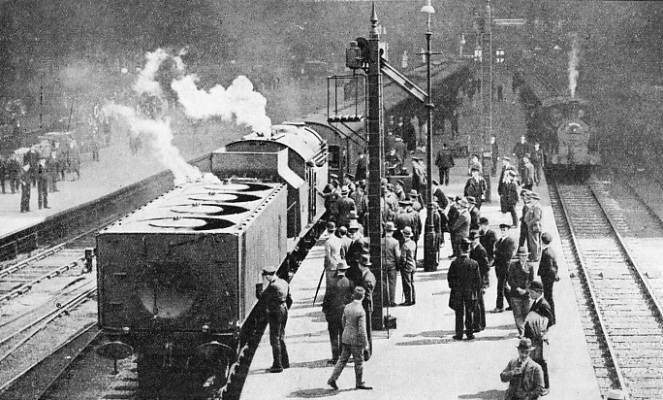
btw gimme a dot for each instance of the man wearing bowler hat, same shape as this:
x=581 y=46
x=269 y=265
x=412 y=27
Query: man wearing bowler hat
x=337 y=295
x=276 y=296
x=464 y=281
x=524 y=375
x=408 y=264
x=539 y=319
x=520 y=277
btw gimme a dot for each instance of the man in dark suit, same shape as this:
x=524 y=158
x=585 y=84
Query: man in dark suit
x=488 y=238
x=465 y=283
x=504 y=248
x=337 y=296
x=25 y=188
x=355 y=340
x=475 y=187
x=408 y=266
x=478 y=254
x=444 y=162
x=548 y=269
x=539 y=319
x=275 y=297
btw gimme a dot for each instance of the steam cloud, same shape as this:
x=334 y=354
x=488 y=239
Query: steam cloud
x=239 y=100
x=574 y=58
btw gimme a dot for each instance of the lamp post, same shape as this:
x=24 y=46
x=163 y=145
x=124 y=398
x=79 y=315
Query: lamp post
x=430 y=250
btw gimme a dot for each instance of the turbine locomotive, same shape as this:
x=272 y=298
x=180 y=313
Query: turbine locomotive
x=178 y=278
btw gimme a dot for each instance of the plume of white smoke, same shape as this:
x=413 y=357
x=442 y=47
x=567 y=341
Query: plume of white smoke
x=145 y=82
x=160 y=136
x=239 y=100
x=574 y=58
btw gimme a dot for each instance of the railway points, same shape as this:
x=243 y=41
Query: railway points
x=419 y=359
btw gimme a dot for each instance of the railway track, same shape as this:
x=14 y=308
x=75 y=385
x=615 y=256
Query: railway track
x=621 y=316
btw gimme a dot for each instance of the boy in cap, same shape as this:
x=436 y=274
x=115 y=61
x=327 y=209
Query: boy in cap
x=391 y=256
x=524 y=375
x=276 y=296
x=354 y=340
x=548 y=269
x=408 y=266
x=337 y=295
x=504 y=248
x=520 y=276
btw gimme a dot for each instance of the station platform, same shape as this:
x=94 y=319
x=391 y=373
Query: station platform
x=116 y=169
x=419 y=359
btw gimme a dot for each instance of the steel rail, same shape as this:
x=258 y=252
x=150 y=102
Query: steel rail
x=44 y=321
x=592 y=291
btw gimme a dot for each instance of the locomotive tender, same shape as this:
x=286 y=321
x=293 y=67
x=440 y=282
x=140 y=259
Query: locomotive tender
x=177 y=279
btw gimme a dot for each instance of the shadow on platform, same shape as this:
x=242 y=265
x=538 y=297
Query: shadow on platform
x=485 y=395
x=316 y=393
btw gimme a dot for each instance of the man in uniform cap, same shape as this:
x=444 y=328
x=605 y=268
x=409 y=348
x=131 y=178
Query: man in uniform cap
x=504 y=248
x=354 y=339
x=337 y=295
x=408 y=264
x=520 y=276
x=276 y=296
x=391 y=257
x=464 y=281
x=524 y=375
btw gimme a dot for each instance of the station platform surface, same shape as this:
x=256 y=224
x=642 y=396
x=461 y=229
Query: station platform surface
x=419 y=359
x=116 y=169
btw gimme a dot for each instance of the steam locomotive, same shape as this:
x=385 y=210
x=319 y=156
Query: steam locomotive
x=177 y=279
x=561 y=123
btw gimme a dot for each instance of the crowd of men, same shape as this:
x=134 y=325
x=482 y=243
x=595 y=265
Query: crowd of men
x=40 y=169
x=476 y=249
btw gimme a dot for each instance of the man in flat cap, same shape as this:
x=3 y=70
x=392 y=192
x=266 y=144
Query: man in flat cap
x=524 y=375
x=461 y=227
x=508 y=190
x=391 y=257
x=520 y=277
x=504 y=248
x=419 y=178
x=408 y=266
x=354 y=340
x=476 y=186
x=533 y=219
x=444 y=162
x=475 y=213
x=276 y=297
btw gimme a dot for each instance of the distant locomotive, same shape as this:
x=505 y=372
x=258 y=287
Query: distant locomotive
x=177 y=279
x=562 y=124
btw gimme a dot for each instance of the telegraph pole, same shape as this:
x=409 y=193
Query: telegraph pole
x=375 y=166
